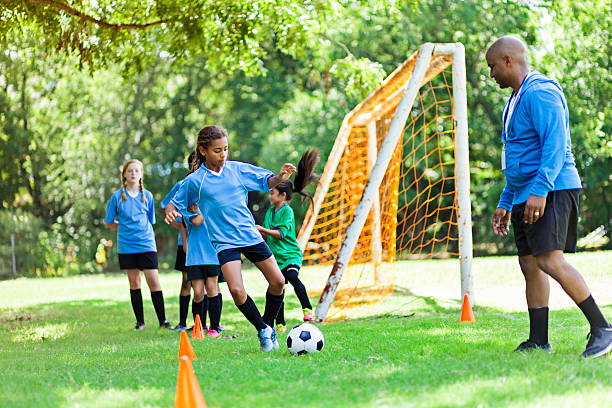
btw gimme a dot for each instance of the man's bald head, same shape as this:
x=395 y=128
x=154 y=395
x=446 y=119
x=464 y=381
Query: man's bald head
x=508 y=46
x=507 y=61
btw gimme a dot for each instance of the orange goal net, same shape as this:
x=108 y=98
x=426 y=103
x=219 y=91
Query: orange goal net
x=414 y=213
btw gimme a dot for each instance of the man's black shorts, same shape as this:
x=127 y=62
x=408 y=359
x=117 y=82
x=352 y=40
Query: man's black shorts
x=179 y=265
x=141 y=260
x=202 y=271
x=254 y=253
x=556 y=229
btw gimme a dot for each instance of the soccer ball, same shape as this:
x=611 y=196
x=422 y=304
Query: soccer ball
x=305 y=338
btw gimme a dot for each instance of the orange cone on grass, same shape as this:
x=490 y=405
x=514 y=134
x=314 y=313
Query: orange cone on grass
x=188 y=392
x=185 y=348
x=467 y=315
x=198 y=331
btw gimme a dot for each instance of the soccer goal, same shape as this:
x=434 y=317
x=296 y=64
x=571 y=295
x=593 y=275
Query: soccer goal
x=396 y=184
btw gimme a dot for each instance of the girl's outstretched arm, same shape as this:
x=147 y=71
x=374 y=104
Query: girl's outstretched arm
x=112 y=225
x=270 y=232
x=282 y=175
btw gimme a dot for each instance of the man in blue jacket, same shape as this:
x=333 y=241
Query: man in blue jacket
x=540 y=198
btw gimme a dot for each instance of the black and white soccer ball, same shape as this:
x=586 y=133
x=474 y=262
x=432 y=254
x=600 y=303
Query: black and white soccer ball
x=305 y=338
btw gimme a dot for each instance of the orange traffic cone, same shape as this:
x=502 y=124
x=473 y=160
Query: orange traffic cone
x=198 y=331
x=188 y=392
x=185 y=348
x=467 y=315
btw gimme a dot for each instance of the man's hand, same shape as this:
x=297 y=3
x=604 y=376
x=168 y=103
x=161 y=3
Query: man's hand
x=501 y=222
x=171 y=214
x=534 y=209
x=286 y=171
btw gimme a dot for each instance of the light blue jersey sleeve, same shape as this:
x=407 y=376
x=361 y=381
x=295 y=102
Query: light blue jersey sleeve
x=168 y=197
x=111 y=210
x=150 y=208
x=254 y=178
x=186 y=194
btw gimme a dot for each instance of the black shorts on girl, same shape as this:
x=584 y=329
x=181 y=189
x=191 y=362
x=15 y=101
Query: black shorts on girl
x=179 y=265
x=202 y=271
x=557 y=229
x=290 y=267
x=141 y=260
x=254 y=253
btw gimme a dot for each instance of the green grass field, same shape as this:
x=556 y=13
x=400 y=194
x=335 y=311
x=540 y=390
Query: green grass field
x=67 y=342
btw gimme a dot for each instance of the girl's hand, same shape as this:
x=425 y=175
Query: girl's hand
x=286 y=171
x=259 y=228
x=171 y=214
x=193 y=208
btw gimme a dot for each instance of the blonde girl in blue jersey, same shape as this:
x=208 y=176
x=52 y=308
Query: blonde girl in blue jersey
x=279 y=230
x=220 y=190
x=131 y=212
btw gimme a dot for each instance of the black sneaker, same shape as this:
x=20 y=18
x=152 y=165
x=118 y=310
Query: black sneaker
x=165 y=325
x=530 y=345
x=179 y=327
x=600 y=342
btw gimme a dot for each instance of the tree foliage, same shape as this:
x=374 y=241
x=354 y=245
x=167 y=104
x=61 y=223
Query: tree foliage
x=280 y=81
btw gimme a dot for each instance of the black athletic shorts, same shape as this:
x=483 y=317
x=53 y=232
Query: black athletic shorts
x=179 y=265
x=254 y=253
x=556 y=229
x=288 y=268
x=202 y=271
x=141 y=260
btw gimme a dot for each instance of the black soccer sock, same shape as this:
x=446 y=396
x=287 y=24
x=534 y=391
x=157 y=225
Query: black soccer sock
x=220 y=305
x=299 y=288
x=183 y=309
x=538 y=325
x=250 y=311
x=136 y=298
x=205 y=304
x=273 y=303
x=280 y=317
x=592 y=313
x=214 y=312
x=196 y=309
x=158 y=303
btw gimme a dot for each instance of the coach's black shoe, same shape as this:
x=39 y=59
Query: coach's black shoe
x=530 y=345
x=600 y=342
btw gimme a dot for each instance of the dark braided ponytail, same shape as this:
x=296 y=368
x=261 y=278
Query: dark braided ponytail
x=205 y=136
x=303 y=177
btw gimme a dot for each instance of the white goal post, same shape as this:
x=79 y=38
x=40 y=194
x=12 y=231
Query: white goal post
x=377 y=171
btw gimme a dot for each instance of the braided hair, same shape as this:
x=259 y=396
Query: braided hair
x=205 y=136
x=303 y=177
x=123 y=179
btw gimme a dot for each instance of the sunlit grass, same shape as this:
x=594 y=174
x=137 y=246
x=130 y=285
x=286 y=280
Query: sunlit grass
x=68 y=342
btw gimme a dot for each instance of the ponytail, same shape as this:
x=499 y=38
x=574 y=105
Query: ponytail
x=304 y=176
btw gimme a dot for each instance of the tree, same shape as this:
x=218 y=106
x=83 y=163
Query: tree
x=135 y=34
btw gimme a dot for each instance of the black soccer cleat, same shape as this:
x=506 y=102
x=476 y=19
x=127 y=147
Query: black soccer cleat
x=166 y=325
x=600 y=342
x=530 y=345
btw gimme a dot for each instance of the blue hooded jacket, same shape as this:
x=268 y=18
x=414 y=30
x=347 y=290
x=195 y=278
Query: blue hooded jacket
x=539 y=156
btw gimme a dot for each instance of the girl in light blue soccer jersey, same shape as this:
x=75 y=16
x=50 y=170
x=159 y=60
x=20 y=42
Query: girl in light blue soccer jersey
x=134 y=211
x=220 y=190
x=203 y=271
